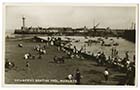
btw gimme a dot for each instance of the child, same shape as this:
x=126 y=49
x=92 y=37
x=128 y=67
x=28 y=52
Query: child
x=27 y=64
x=70 y=76
x=106 y=74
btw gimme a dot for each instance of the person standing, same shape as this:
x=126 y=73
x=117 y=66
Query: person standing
x=106 y=74
x=78 y=76
x=126 y=55
x=27 y=65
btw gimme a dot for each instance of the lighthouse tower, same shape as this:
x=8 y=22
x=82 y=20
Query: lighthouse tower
x=23 y=22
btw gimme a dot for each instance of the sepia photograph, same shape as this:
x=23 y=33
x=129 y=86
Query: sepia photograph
x=70 y=44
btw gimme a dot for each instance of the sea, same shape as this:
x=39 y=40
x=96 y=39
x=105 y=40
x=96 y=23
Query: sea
x=124 y=45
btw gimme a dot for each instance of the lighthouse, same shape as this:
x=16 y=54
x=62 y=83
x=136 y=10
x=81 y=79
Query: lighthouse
x=23 y=22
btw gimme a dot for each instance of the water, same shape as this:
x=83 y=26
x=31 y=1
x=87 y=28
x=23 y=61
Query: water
x=124 y=45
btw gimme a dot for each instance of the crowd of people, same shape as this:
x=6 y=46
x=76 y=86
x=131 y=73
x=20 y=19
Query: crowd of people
x=124 y=64
x=114 y=61
x=121 y=64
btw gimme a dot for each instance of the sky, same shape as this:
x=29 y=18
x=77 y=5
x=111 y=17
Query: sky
x=69 y=16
